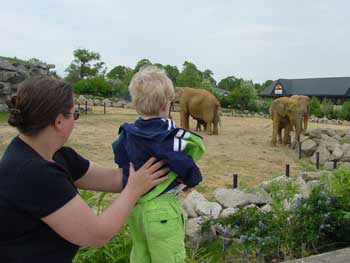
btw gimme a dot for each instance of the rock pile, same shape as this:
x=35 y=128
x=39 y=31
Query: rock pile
x=228 y=201
x=11 y=74
x=332 y=145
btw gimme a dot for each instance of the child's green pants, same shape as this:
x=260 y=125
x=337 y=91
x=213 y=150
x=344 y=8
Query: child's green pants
x=158 y=231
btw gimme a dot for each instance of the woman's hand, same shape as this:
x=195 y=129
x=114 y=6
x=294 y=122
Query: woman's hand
x=145 y=178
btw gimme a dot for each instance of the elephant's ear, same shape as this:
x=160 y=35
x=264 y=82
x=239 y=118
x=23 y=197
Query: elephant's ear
x=291 y=106
x=280 y=108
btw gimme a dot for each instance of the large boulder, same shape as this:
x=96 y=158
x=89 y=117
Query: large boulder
x=323 y=157
x=235 y=198
x=190 y=203
x=208 y=209
x=337 y=154
x=308 y=147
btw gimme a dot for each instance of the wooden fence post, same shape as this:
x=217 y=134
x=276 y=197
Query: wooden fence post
x=287 y=170
x=235 y=181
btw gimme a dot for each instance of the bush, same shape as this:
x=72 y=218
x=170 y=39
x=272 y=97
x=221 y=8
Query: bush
x=345 y=111
x=315 y=107
x=328 y=109
x=93 y=86
x=263 y=104
x=244 y=98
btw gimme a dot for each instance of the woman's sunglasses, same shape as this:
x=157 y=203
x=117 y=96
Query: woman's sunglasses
x=75 y=114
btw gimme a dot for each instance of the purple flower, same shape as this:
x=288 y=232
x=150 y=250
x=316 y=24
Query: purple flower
x=243 y=238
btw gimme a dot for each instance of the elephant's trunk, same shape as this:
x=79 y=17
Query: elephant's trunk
x=297 y=122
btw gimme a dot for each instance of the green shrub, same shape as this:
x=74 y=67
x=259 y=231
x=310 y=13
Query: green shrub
x=93 y=86
x=345 y=111
x=315 y=107
x=327 y=109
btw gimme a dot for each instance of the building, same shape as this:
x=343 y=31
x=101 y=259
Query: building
x=335 y=89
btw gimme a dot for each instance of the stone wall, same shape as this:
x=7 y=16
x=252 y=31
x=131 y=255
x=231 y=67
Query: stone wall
x=13 y=73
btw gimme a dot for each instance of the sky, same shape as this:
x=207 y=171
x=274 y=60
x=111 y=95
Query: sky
x=256 y=40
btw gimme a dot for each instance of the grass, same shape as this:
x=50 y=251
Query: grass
x=14 y=60
x=3 y=117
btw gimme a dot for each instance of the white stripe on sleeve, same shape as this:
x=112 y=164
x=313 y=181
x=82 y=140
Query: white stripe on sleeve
x=183 y=145
x=176 y=144
x=180 y=133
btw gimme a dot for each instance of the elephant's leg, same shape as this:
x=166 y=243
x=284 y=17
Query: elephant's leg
x=205 y=126
x=306 y=120
x=215 y=128
x=286 y=134
x=209 y=128
x=198 y=127
x=275 y=128
x=279 y=135
x=184 y=120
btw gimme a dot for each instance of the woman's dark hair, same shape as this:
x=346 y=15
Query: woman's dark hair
x=38 y=102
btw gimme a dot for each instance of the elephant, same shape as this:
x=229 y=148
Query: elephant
x=287 y=112
x=201 y=105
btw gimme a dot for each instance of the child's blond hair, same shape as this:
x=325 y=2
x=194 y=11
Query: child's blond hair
x=150 y=89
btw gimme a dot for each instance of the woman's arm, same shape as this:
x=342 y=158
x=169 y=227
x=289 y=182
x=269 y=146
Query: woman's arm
x=76 y=222
x=100 y=178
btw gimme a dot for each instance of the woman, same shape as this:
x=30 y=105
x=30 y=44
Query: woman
x=43 y=218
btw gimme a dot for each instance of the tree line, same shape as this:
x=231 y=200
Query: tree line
x=89 y=75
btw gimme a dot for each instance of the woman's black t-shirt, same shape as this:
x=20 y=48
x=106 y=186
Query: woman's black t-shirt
x=32 y=188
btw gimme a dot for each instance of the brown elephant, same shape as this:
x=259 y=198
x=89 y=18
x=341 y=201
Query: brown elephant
x=201 y=105
x=287 y=112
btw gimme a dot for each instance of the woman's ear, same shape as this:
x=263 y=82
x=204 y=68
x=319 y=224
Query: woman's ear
x=58 y=122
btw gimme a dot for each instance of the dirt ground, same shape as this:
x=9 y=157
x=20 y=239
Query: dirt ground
x=242 y=147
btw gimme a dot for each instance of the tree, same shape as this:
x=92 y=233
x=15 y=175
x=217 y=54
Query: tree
x=207 y=76
x=97 y=86
x=120 y=77
x=189 y=77
x=260 y=87
x=81 y=66
x=142 y=63
x=230 y=83
x=244 y=98
x=172 y=72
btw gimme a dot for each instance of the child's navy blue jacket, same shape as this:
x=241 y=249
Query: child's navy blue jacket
x=157 y=137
